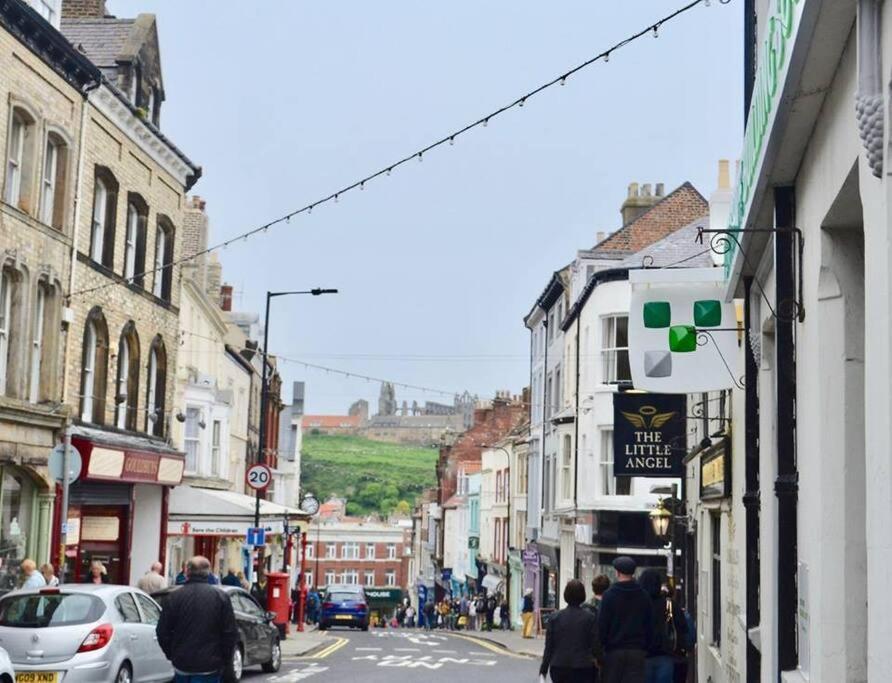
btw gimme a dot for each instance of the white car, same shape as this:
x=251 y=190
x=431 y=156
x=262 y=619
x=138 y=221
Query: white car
x=7 y=673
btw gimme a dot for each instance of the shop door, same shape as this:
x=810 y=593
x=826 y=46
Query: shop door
x=103 y=538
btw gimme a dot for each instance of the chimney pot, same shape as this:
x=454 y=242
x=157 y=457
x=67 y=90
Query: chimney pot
x=645 y=190
x=633 y=189
x=660 y=190
x=724 y=175
x=226 y=297
x=601 y=236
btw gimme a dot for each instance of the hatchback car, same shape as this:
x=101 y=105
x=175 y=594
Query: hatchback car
x=344 y=606
x=258 y=636
x=83 y=633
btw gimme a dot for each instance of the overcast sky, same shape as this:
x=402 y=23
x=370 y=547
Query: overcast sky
x=284 y=101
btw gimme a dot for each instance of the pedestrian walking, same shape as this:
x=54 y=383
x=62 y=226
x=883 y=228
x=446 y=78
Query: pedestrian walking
x=152 y=581
x=572 y=645
x=472 y=614
x=33 y=578
x=504 y=616
x=410 y=617
x=230 y=579
x=97 y=573
x=526 y=613
x=600 y=584
x=49 y=574
x=625 y=626
x=669 y=627
x=258 y=590
x=197 y=630
x=490 y=612
x=180 y=578
x=430 y=615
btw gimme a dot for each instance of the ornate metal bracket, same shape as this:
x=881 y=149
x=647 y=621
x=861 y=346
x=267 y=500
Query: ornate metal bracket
x=722 y=241
x=704 y=336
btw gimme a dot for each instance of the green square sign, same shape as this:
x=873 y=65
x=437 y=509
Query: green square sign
x=682 y=338
x=707 y=313
x=657 y=314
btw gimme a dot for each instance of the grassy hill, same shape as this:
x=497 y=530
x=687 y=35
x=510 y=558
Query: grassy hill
x=374 y=477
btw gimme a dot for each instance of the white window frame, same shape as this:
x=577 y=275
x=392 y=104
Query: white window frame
x=15 y=159
x=192 y=440
x=567 y=467
x=151 y=399
x=308 y=579
x=216 y=442
x=610 y=352
x=331 y=551
x=5 y=312
x=350 y=551
x=100 y=205
x=390 y=578
x=370 y=551
x=369 y=579
x=47 y=9
x=310 y=551
x=88 y=373
x=350 y=577
x=37 y=342
x=391 y=551
x=130 y=239
x=329 y=577
x=48 y=181
x=121 y=406
x=160 y=247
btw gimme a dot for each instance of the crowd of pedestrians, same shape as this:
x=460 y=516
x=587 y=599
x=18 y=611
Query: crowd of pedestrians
x=632 y=631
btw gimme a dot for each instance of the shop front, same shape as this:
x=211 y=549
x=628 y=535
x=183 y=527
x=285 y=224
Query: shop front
x=215 y=523
x=549 y=572
x=120 y=496
x=26 y=505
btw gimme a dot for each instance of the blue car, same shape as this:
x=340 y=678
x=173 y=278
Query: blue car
x=344 y=606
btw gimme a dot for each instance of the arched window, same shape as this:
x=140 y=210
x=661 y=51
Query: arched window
x=105 y=202
x=5 y=326
x=156 y=387
x=20 y=160
x=135 y=239
x=127 y=384
x=164 y=240
x=44 y=342
x=53 y=181
x=94 y=367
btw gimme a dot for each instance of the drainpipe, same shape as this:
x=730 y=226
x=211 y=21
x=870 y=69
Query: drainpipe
x=576 y=437
x=544 y=418
x=749 y=55
x=751 y=495
x=786 y=486
x=75 y=232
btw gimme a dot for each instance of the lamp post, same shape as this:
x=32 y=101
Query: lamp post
x=264 y=388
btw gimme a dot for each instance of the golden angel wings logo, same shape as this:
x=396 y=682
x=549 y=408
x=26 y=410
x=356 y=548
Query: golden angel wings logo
x=647 y=417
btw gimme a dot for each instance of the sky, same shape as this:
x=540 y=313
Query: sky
x=285 y=101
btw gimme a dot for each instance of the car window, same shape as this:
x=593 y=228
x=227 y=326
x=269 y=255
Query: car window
x=151 y=613
x=343 y=596
x=39 y=611
x=245 y=603
x=127 y=608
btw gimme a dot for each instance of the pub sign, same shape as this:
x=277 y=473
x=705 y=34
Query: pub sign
x=649 y=434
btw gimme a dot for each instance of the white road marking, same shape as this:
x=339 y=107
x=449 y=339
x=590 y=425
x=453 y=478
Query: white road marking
x=445 y=652
x=369 y=649
x=406 y=649
x=298 y=674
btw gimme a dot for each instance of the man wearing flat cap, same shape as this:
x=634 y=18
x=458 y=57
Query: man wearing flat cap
x=625 y=626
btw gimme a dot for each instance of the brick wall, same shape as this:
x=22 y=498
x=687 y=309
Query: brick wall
x=379 y=566
x=76 y=9
x=195 y=239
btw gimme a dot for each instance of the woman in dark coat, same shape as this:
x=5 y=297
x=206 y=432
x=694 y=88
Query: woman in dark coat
x=660 y=665
x=572 y=646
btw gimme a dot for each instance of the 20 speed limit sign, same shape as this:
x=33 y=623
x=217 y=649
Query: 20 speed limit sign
x=259 y=477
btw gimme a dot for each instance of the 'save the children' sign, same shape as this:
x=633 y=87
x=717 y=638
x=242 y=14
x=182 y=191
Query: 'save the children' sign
x=648 y=434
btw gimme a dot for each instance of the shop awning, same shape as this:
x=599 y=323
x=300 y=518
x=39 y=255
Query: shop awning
x=492 y=583
x=194 y=511
x=116 y=457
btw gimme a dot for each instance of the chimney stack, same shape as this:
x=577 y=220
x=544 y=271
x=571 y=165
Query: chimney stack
x=724 y=175
x=660 y=191
x=83 y=9
x=637 y=202
x=226 y=297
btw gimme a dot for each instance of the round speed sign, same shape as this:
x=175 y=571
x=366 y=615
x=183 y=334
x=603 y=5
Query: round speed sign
x=259 y=477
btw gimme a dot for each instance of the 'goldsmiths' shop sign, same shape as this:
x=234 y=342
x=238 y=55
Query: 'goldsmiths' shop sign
x=774 y=59
x=649 y=434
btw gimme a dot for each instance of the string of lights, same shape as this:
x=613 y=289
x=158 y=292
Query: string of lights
x=449 y=139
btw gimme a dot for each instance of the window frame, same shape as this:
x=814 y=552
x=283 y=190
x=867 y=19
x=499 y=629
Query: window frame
x=611 y=353
x=331 y=551
x=156 y=387
x=51 y=153
x=38 y=358
x=216 y=446
x=165 y=236
x=390 y=578
x=135 y=240
x=93 y=396
x=567 y=467
x=127 y=379
x=18 y=165
x=192 y=438
x=329 y=577
x=370 y=547
x=391 y=551
x=6 y=285
x=366 y=574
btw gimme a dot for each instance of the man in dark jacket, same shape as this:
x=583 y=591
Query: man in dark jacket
x=625 y=626
x=197 y=630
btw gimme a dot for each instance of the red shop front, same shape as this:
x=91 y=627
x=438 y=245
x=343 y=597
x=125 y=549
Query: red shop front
x=117 y=511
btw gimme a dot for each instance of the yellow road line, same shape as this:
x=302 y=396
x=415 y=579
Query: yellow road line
x=491 y=647
x=331 y=649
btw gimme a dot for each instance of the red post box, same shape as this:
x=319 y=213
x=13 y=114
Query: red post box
x=278 y=598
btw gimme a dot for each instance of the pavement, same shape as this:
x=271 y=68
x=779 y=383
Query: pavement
x=397 y=655
x=513 y=641
x=300 y=644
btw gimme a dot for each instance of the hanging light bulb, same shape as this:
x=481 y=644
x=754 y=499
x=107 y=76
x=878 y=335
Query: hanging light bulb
x=310 y=209
x=451 y=140
x=288 y=219
x=606 y=57
x=336 y=199
x=657 y=31
x=522 y=100
x=389 y=170
x=420 y=157
x=564 y=81
x=485 y=122
x=362 y=185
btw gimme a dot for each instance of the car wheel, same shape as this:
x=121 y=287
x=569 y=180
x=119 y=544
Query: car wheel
x=365 y=627
x=275 y=662
x=323 y=626
x=236 y=666
x=124 y=674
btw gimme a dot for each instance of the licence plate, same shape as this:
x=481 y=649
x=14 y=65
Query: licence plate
x=37 y=677
x=344 y=617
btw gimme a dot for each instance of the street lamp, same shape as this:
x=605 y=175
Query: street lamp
x=661 y=518
x=264 y=388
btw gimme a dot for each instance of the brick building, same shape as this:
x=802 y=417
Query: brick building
x=354 y=551
x=92 y=202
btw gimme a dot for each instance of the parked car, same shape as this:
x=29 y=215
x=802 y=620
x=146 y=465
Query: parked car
x=258 y=636
x=7 y=672
x=344 y=605
x=83 y=632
